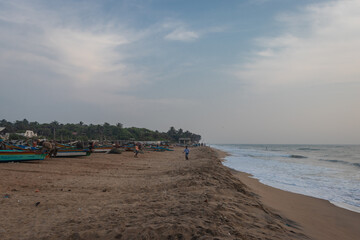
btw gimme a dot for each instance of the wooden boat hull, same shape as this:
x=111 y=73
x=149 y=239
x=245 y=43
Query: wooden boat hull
x=102 y=150
x=17 y=156
x=72 y=153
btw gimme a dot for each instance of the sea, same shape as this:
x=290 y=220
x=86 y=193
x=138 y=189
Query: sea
x=330 y=172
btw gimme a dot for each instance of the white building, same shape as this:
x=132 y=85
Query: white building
x=28 y=134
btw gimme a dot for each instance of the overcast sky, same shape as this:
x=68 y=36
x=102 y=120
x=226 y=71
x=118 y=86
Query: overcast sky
x=242 y=71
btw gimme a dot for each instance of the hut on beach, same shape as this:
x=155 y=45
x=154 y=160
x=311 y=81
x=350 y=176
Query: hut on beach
x=184 y=141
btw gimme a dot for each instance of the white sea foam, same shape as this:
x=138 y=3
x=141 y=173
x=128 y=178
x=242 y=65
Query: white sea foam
x=302 y=169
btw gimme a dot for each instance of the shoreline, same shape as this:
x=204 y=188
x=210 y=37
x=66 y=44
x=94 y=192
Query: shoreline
x=320 y=219
x=342 y=205
x=339 y=205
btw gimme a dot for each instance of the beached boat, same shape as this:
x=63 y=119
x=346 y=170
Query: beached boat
x=104 y=149
x=66 y=151
x=18 y=155
x=159 y=149
x=72 y=152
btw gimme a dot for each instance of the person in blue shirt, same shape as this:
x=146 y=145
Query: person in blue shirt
x=186 y=151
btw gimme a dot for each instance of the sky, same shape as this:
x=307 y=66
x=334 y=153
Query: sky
x=235 y=71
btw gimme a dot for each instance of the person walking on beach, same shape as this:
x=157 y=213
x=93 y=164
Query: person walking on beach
x=136 y=150
x=91 y=146
x=186 y=151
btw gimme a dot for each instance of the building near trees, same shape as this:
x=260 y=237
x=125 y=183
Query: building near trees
x=28 y=134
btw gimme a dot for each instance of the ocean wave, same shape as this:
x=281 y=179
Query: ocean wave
x=271 y=155
x=309 y=149
x=335 y=180
x=356 y=164
x=256 y=153
x=341 y=161
x=334 y=161
x=297 y=156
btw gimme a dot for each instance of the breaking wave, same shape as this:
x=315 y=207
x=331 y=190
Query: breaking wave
x=341 y=161
x=308 y=149
x=297 y=156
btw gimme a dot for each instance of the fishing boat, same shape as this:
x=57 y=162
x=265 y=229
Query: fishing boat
x=72 y=152
x=102 y=149
x=159 y=149
x=18 y=155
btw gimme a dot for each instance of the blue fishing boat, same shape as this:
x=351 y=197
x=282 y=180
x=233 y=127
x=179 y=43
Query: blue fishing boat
x=19 y=155
x=159 y=149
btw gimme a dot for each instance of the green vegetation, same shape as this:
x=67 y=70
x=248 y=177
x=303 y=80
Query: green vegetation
x=14 y=136
x=81 y=131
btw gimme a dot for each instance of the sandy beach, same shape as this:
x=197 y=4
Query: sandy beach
x=318 y=218
x=159 y=195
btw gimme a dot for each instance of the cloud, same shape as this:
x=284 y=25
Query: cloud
x=258 y=1
x=179 y=32
x=84 y=70
x=55 y=46
x=302 y=85
x=85 y=54
x=318 y=45
x=266 y=53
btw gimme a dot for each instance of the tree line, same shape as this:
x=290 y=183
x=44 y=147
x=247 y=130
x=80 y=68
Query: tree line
x=84 y=132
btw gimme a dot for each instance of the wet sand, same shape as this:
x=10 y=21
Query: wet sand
x=318 y=218
x=159 y=195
